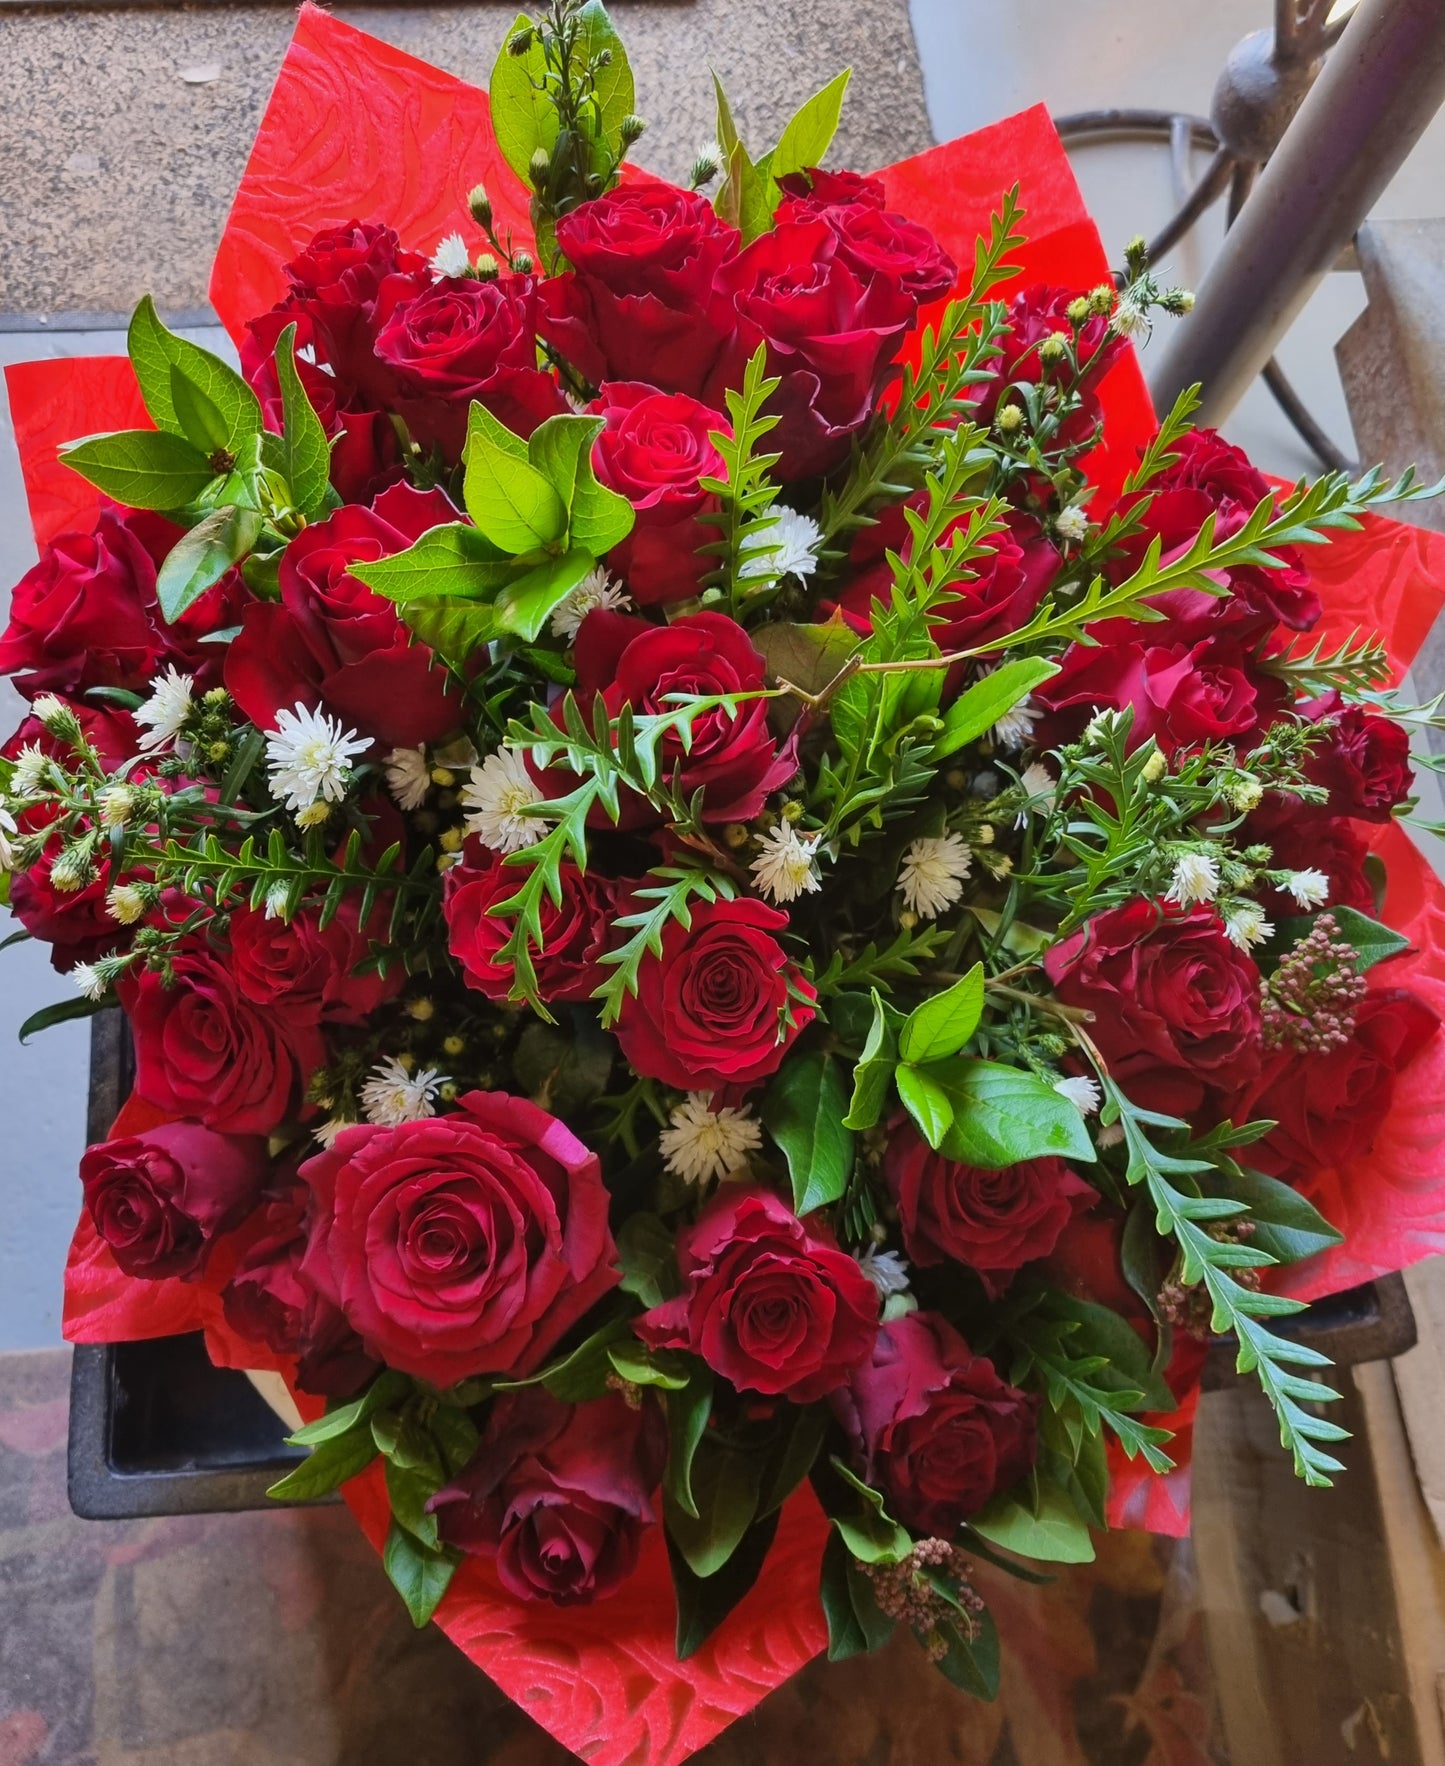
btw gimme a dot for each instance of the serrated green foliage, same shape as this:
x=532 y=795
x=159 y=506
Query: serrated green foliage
x=745 y=493
x=668 y=899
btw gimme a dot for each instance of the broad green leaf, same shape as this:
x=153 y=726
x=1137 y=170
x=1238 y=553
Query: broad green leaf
x=703 y=1602
x=926 y=1102
x=1285 y=1224
x=614 y=87
x=557 y=446
x=328 y=1465
x=943 y=1024
x=305 y=452
x=972 y=1663
x=980 y=706
x=200 y=558
x=747 y=196
x=511 y=502
x=669 y=1369
x=523 y=117
x=419 y=1576
x=142 y=468
x=855 y=1623
x=451 y=560
x=647 y=1256
x=525 y=605
x=1045 y=1525
x=808 y=656
x=790 y=1461
x=1373 y=941
x=803 y=1111
x=561 y=449
x=810 y=133
x=455 y=629
x=401 y=1436
x=409 y=1490
x=1102 y=1332
x=582 y=1374
x=155 y=352
x=874 y=1072
x=687 y=1414
x=200 y=421
x=385 y=1389
x=725 y=1491
x=1002 y=1115
x=872 y=1535
x=600 y=519
x=60 y=1013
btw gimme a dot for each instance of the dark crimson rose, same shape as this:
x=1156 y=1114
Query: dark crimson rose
x=816 y=189
x=1328 y=1108
x=559 y=1494
x=653 y=451
x=457 y=340
x=934 y=1426
x=462 y=1244
x=736 y=762
x=990 y=1221
x=269 y=1300
x=161 y=1199
x=307 y=972
x=721 y=1005
x=202 y=1049
x=1175 y=1004
x=832 y=334
x=335 y=286
x=876 y=242
x=636 y=305
x=574 y=930
x=768 y=1302
x=331 y=642
x=1301 y=840
x=1036 y=314
x=1364 y=762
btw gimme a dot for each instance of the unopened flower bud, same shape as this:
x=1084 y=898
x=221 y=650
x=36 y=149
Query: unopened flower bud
x=117 y=805
x=125 y=903
x=451 y=840
x=72 y=870
x=736 y=834
x=314 y=815
x=421 y=1009
x=480 y=204
x=632 y=129
x=1051 y=349
x=1077 y=311
x=1155 y=767
x=1245 y=793
x=540 y=168
x=1009 y=419
x=486 y=268
x=520 y=41
x=522 y=263
x=454 y=1045
x=1101 y=298
x=216 y=696
x=57 y=717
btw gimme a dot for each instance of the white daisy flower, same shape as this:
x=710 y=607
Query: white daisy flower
x=1040 y=784
x=1072 y=524
x=1311 y=889
x=887 y=1270
x=1130 y=320
x=700 y=1143
x=31 y=771
x=1196 y=878
x=786 y=866
x=1246 y=926
x=495 y=797
x=7 y=851
x=451 y=257
x=408 y=777
x=165 y=712
x=89 y=980
x=1081 y=1091
x=125 y=903
x=310 y=757
x=596 y=590
x=713 y=150
x=326 y=1132
x=276 y=897
x=786 y=543
x=1015 y=729
x=54 y=713
x=392 y=1096
x=933 y=872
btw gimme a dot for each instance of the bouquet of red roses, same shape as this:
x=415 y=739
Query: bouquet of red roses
x=749 y=906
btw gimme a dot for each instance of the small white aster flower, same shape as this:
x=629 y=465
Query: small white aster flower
x=310 y=757
x=712 y=150
x=1196 y=878
x=408 y=777
x=791 y=541
x=56 y=715
x=91 y=984
x=1110 y=1135
x=276 y=902
x=1081 y=1091
x=1311 y=889
x=451 y=257
x=887 y=1270
x=1072 y=524
x=117 y=805
x=1245 y=793
x=167 y=709
x=1015 y=729
x=326 y=1132
x=1130 y=320
x=1040 y=787
x=596 y=590
x=32 y=765
x=701 y=1143
x=125 y=903
x=497 y=793
x=933 y=872
x=7 y=851
x=786 y=866
x=392 y=1096
x=1246 y=926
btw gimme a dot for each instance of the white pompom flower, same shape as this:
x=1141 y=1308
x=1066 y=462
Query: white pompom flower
x=495 y=797
x=408 y=776
x=1196 y=878
x=783 y=543
x=786 y=865
x=700 y=1143
x=933 y=873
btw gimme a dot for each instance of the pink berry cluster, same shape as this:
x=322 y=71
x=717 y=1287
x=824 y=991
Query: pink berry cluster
x=1309 y=1003
x=905 y=1591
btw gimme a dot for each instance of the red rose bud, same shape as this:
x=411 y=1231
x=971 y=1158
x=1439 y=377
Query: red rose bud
x=637 y=304
x=1175 y=1003
x=161 y=1199
x=335 y=285
x=936 y=1429
x=331 y=643
x=308 y=973
x=463 y=1244
x=559 y=1494
x=653 y=451
x=574 y=930
x=770 y=1303
x=815 y=189
x=876 y=242
x=722 y=1003
x=991 y=1221
x=1364 y=762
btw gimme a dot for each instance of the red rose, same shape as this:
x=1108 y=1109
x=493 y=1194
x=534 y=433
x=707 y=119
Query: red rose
x=874 y=241
x=161 y=1199
x=330 y=641
x=721 y=1004
x=736 y=762
x=637 y=303
x=832 y=335
x=817 y=189
x=463 y=1244
x=936 y=1429
x=653 y=451
x=1328 y=1108
x=559 y=1494
x=1364 y=762
x=335 y=286
x=458 y=340
x=991 y=1221
x=1301 y=840
x=1175 y=1004
x=306 y=971
x=202 y=1049
x=574 y=930
x=1036 y=314
x=768 y=1302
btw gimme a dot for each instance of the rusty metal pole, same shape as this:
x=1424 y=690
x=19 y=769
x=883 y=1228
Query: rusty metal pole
x=1382 y=84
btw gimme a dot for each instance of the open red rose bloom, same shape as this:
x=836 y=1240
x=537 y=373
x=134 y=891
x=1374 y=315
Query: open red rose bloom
x=750 y=902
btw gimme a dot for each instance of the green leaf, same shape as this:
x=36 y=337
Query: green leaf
x=142 y=468
x=385 y=1389
x=60 y=1013
x=614 y=89
x=409 y=1490
x=980 y=706
x=327 y=1465
x=419 y=1576
x=725 y=1484
x=1002 y=1115
x=1286 y=1225
x=511 y=502
x=703 y=1602
x=687 y=1413
x=401 y=1436
x=803 y=1111
x=647 y=1255
x=200 y=558
x=1100 y=1331
x=855 y=1623
x=1375 y=943
x=874 y=1072
x=561 y=449
x=455 y=629
x=972 y=1663
x=942 y=1025
x=807 y=656
x=157 y=355
x=525 y=605
x=872 y=1535
x=559 y=446
x=199 y=419
x=582 y=1374
x=523 y=117
x=451 y=560
x=926 y=1102
x=306 y=453
x=808 y=136
x=790 y=1461
x=669 y=1369
x=1043 y=1525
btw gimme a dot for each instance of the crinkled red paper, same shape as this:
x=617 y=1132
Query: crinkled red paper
x=356 y=129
